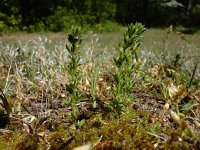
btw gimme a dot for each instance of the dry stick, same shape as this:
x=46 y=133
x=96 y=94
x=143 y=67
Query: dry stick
x=196 y=98
x=157 y=136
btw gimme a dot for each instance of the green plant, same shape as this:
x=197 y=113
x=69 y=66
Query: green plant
x=192 y=77
x=5 y=103
x=80 y=123
x=154 y=131
x=74 y=41
x=188 y=106
x=125 y=64
x=93 y=74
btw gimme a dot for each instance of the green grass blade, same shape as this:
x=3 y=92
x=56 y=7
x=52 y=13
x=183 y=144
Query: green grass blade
x=192 y=77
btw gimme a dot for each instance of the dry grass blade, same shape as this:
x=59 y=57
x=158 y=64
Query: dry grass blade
x=84 y=147
x=5 y=131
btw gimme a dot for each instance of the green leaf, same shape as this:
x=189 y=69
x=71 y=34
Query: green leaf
x=188 y=106
x=155 y=129
x=191 y=80
x=81 y=123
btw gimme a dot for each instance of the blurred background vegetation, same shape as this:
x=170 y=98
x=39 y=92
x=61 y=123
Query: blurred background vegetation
x=59 y=15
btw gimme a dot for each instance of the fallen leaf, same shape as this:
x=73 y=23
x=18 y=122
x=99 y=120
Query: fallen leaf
x=83 y=147
x=172 y=90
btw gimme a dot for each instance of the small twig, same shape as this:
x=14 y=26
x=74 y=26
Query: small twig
x=192 y=118
x=157 y=136
x=190 y=56
x=193 y=113
x=5 y=131
x=68 y=141
x=97 y=142
x=196 y=98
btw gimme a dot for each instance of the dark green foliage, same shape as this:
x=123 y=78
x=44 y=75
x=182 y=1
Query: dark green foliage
x=73 y=44
x=5 y=103
x=4 y=120
x=59 y=15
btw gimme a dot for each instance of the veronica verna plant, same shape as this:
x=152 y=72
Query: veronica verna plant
x=125 y=62
x=72 y=46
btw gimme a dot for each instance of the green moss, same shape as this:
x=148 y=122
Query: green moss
x=125 y=132
x=28 y=142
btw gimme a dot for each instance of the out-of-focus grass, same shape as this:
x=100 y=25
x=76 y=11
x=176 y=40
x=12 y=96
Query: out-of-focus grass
x=154 y=39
